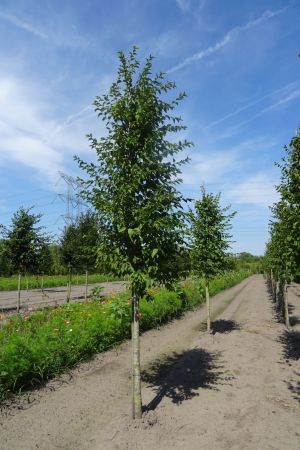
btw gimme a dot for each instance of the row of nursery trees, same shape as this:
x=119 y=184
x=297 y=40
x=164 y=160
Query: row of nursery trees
x=144 y=231
x=27 y=248
x=282 y=259
x=133 y=187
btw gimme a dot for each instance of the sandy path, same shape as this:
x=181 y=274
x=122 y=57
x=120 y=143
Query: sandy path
x=237 y=389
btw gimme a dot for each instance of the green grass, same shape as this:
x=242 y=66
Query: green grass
x=36 y=347
x=35 y=282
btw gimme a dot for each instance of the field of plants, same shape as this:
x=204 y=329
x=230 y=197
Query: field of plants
x=36 y=347
x=48 y=281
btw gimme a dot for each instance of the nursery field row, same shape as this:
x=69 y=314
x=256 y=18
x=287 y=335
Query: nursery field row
x=48 y=281
x=36 y=347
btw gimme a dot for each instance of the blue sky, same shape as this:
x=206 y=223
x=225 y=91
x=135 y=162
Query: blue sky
x=237 y=61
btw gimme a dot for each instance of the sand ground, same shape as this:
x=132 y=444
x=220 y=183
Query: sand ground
x=238 y=388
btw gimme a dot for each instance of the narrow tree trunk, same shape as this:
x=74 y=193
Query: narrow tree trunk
x=19 y=293
x=86 y=285
x=272 y=285
x=207 y=306
x=27 y=286
x=136 y=372
x=286 y=307
x=277 y=294
x=69 y=286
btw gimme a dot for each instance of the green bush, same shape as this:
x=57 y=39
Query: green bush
x=36 y=347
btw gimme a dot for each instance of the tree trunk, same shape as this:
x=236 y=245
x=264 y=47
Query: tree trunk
x=86 y=285
x=42 y=285
x=69 y=286
x=286 y=307
x=277 y=295
x=272 y=285
x=27 y=286
x=19 y=293
x=207 y=306
x=136 y=371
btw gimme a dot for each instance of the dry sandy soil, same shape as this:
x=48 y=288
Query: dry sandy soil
x=36 y=298
x=238 y=388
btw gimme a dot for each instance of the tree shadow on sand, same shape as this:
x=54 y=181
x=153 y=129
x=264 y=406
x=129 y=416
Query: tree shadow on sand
x=221 y=326
x=180 y=376
x=291 y=351
x=225 y=326
x=294 y=319
x=291 y=344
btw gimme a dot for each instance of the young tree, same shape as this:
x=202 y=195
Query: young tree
x=210 y=224
x=283 y=251
x=87 y=227
x=25 y=244
x=132 y=185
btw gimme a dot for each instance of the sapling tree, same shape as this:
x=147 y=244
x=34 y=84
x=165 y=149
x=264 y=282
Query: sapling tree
x=210 y=225
x=132 y=185
x=25 y=244
x=87 y=227
x=283 y=251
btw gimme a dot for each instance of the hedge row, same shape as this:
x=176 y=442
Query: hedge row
x=36 y=347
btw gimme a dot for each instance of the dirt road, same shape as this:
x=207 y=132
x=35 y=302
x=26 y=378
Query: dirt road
x=36 y=298
x=236 y=389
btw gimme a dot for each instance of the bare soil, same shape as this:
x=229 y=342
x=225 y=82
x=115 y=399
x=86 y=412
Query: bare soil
x=238 y=388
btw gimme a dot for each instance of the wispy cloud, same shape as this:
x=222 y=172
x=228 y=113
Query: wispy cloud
x=209 y=167
x=257 y=190
x=62 y=35
x=227 y=38
x=237 y=111
x=284 y=100
x=20 y=23
x=186 y=5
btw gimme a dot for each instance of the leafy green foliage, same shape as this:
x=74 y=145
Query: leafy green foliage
x=34 y=282
x=26 y=244
x=39 y=346
x=132 y=185
x=78 y=246
x=210 y=237
x=283 y=250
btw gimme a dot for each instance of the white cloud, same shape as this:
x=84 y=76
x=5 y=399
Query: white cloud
x=24 y=122
x=227 y=38
x=187 y=5
x=58 y=33
x=30 y=135
x=257 y=190
x=284 y=90
x=20 y=23
x=283 y=101
x=210 y=167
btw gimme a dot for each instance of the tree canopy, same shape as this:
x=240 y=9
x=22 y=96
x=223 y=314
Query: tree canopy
x=210 y=225
x=132 y=185
x=26 y=243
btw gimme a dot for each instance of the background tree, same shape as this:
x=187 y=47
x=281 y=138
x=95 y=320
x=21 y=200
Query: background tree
x=132 y=186
x=26 y=242
x=210 y=224
x=87 y=227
